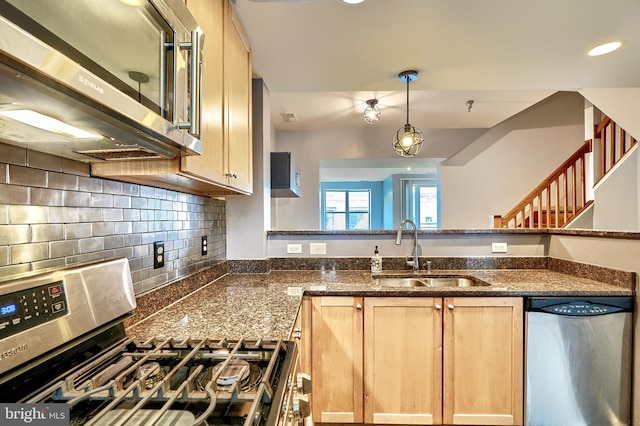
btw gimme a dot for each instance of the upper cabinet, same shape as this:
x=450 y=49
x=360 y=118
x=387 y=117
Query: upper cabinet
x=237 y=82
x=285 y=176
x=225 y=166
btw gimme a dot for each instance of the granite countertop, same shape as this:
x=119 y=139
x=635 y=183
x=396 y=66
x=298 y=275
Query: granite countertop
x=265 y=305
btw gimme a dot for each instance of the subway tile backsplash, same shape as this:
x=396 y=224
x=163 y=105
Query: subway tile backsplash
x=53 y=213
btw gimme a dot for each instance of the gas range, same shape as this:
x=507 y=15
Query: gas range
x=171 y=382
x=88 y=363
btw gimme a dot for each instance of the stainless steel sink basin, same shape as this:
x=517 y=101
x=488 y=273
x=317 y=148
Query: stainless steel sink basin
x=428 y=282
x=401 y=282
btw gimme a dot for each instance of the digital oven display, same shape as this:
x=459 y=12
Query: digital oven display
x=31 y=307
x=8 y=309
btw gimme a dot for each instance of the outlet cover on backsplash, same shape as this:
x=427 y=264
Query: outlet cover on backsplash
x=204 y=247
x=158 y=254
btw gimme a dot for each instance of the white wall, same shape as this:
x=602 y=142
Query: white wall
x=616 y=197
x=429 y=245
x=248 y=218
x=621 y=104
x=519 y=153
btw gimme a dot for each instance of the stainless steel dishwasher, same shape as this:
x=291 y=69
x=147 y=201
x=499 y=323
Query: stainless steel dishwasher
x=578 y=361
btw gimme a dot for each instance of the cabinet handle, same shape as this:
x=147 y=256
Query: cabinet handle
x=193 y=125
x=359 y=307
x=450 y=307
x=438 y=307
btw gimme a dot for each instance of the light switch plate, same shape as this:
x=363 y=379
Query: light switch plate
x=498 y=247
x=318 y=248
x=294 y=248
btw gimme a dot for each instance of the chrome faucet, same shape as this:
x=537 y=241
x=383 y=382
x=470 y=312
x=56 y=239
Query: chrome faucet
x=413 y=262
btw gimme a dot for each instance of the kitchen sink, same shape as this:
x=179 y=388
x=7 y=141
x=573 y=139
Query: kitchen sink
x=428 y=282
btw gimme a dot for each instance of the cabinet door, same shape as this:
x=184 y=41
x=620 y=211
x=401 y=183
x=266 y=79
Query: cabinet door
x=403 y=360
x=237 y=80
x=336 y=356
x=483 y=361
x=211 y=165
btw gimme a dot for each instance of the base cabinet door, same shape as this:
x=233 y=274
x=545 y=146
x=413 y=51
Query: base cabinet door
x=403 y=360
x=417 y=360
x=483 y=361
x=336 y=352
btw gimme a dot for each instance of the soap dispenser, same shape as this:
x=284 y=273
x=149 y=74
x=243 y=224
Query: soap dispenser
x=376 y=261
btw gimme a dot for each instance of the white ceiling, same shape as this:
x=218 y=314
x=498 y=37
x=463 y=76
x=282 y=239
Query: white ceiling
x=322 y=60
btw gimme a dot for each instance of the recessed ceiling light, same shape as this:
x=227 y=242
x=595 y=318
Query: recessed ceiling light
x=352 y=2
x=605 y=48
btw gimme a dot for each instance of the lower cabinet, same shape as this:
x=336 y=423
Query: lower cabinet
x=336 y=359
x=417 y=360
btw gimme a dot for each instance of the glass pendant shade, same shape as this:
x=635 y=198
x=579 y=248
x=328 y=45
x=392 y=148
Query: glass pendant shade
x=372 y=112
x=408 y=140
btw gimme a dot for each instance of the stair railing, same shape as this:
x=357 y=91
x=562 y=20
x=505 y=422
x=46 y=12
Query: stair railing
x=562 y=195
x=615 y=142
x=556 y=200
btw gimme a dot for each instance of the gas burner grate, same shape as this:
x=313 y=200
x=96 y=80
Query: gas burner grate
x=152 y=378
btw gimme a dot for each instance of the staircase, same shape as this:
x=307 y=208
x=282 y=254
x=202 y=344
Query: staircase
x=562 y=195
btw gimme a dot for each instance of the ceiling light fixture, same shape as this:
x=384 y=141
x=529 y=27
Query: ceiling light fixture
x=605 y=48
x=408 y=140
x=372 y=112
x=352 y=2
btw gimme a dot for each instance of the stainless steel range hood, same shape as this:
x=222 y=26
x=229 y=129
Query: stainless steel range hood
x=38 y=77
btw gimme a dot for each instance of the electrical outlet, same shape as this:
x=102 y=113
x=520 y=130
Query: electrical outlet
x=204 y=248
x=318 y=248
x=498 y=247
x=294 y=248
x=158 y=254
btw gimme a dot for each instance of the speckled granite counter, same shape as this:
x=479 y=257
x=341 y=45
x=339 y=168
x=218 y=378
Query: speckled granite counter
x=265 y=305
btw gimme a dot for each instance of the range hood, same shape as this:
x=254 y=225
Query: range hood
x=38 y=77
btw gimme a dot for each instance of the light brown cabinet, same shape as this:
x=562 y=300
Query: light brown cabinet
x=225 y=166
x=483 y=360
x=402 y=360
x=417 y=360
x=336 y=359
x=237 y=119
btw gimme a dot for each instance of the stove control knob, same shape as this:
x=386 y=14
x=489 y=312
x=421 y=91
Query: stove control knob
x=303 y=383
x=301 y=407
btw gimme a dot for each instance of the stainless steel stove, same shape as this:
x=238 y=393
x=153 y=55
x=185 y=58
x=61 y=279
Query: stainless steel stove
x=62 y=341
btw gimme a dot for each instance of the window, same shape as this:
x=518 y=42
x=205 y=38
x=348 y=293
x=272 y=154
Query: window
x=346 y=209
x=420 y=202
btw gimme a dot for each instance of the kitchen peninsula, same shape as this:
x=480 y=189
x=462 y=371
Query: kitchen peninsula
x=265 y=305
x=336 y=295
x=295 y=304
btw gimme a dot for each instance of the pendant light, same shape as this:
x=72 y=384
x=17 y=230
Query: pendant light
x=408 y=140
x=372 y=112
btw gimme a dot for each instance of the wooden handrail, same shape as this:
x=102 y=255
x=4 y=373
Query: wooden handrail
x=613 y=140
x=536 y=197
x=562 y=195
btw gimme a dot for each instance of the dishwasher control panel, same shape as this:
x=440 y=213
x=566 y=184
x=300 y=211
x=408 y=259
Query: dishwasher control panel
x=579 y=306
x=582 y=308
